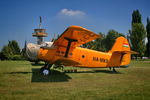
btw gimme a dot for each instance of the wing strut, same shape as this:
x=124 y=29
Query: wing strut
x=69 y=44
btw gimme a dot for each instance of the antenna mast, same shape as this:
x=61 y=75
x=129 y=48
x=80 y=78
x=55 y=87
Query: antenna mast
x=40 y=24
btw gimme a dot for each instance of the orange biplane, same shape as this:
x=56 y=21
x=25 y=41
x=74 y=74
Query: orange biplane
x=66 y=51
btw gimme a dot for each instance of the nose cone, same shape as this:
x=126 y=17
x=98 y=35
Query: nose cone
x=31 y=51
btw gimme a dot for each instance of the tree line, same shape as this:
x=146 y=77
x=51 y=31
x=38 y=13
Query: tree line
x=136 y=36
x=104 y=43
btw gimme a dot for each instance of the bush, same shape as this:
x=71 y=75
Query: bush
x=17 y=57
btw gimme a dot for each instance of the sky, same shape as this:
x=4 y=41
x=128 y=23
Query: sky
x=19 y=18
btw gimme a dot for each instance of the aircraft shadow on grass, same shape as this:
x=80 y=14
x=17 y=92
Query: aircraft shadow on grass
x=54 y=76
x=19 y=72
x=37 y=64
x=97 y=71
x=57 y=76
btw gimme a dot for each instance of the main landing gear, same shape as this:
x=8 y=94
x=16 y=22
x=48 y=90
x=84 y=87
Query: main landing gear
x=113 y=69
x=46 y=69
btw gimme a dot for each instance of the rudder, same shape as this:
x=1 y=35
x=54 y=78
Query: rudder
x=121 y=51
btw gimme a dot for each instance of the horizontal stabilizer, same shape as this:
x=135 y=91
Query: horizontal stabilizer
x=134 y=52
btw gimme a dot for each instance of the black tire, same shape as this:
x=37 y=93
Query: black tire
x=41 y=70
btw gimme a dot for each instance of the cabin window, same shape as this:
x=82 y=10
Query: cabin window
x=83 y=56
x=106 y=61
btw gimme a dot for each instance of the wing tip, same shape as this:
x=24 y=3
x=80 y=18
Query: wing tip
x=81 y=28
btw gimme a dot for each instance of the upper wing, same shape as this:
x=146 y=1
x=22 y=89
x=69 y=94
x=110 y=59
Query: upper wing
x=76 y=36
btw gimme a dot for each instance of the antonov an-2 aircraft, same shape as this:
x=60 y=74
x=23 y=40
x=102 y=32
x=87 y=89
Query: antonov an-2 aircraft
x=66 y=51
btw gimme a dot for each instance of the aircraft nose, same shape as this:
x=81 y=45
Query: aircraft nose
x=31 y=51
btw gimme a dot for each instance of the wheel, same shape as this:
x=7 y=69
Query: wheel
x=42 y=68
x=44 y=71
x=114 y=69
x=110 y=68
x=75 y=70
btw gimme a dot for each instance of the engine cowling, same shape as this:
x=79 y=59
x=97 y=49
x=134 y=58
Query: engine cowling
x=31 y=51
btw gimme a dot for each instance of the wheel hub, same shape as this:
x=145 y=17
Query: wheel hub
x=45 y=72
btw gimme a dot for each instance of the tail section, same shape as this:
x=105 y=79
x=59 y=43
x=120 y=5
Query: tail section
x=121 y=45
x=121 y=52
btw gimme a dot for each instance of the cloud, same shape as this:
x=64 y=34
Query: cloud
x=68 y=12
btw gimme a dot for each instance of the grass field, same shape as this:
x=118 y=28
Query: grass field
x=20 y=80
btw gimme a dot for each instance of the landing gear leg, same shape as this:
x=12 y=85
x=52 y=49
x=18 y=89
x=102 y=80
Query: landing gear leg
x=62 y=67
x=114 y=69
x=110 y=68
x=46 y=69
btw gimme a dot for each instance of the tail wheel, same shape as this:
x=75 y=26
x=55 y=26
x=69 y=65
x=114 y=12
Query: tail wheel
x=114 y=69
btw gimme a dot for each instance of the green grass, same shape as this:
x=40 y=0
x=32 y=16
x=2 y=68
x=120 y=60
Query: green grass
x=19 y=80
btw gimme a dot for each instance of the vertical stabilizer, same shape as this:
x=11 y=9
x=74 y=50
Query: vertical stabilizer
x=121 y=52
x=121 y=45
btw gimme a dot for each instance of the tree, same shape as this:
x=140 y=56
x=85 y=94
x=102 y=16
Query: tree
x=6 y=53
x=148 y=36
x=137 y=34
x=10 y=51
x=137 y=37
x=104 y=43
x=97 y=44
x=110 y=38
x=14 y=47
x=136 y=17
x=89 y=45
x=2 y=56
x=100 y=43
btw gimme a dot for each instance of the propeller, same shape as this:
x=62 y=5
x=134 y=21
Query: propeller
x=30 y=51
